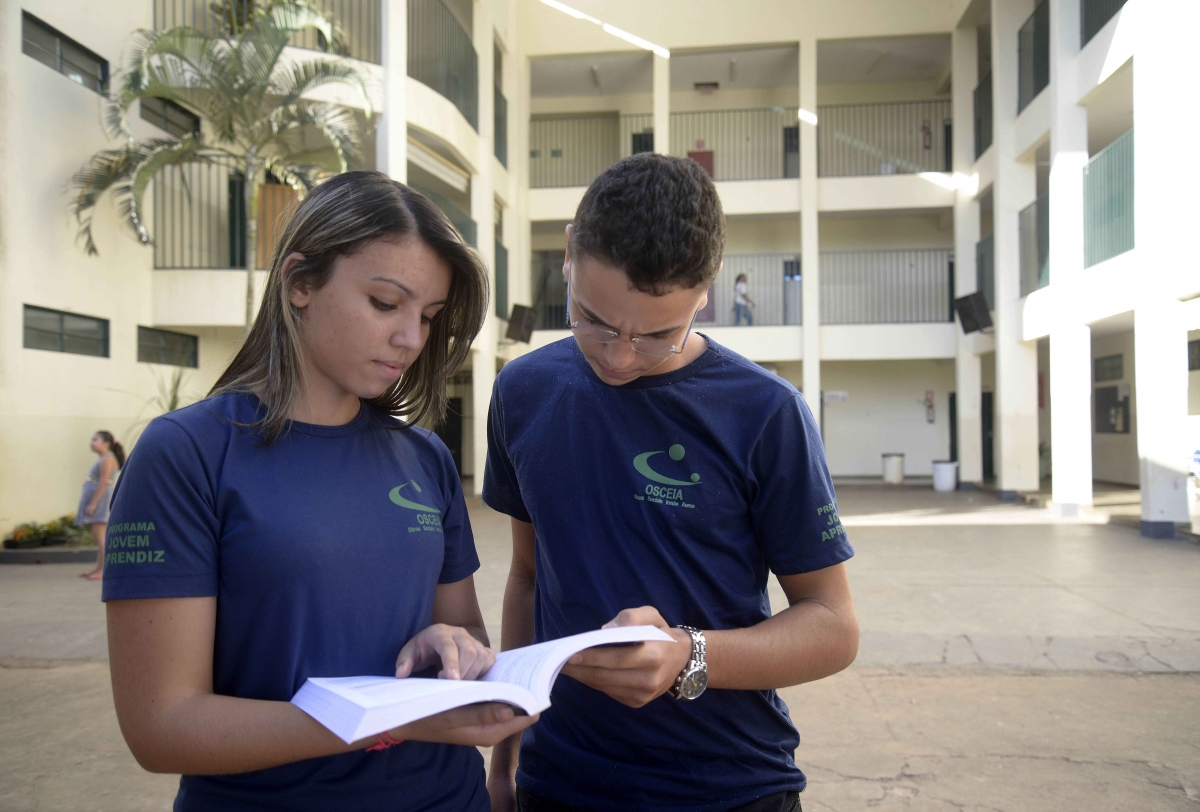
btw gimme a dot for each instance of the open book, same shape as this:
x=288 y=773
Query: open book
x=357 y=707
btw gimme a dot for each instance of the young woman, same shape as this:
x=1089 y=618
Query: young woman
x=93 y=502
x=290 y=526
x=742 y=302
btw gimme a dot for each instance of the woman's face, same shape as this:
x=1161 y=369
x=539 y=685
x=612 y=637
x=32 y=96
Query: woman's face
x=366 y=326
x=99 y=445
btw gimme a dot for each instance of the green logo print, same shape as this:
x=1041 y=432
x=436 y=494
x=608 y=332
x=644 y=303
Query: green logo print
x=676 y=452
x=405 y=503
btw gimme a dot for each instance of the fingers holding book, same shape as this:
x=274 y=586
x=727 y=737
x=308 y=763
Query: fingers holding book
x=484 y=724
x=634 y=675
x=461 y=655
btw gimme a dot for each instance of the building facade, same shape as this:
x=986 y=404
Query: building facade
x=876 y=161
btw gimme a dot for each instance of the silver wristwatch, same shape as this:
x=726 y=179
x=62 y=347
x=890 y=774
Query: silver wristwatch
x=693 y=679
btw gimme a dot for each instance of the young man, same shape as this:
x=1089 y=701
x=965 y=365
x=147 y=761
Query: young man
x=653 y=476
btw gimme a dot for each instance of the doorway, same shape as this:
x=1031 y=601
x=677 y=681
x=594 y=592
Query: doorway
x=986 y=414
x=451 y=432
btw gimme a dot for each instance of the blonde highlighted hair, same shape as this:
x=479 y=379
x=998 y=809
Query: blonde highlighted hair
x=336 y=219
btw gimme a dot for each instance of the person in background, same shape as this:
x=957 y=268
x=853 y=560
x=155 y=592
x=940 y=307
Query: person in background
x=93 y=503
x=742 y=302
x=299 y=523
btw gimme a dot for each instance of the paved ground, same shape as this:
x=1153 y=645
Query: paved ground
x=1010 y=661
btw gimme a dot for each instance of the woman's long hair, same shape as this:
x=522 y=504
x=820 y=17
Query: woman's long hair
x=117 y=451
x=337 y=218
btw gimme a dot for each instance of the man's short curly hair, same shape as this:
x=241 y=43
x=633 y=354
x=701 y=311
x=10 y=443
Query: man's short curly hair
x=657 y=218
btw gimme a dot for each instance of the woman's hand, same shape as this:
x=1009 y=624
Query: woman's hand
x=482 y=725
x=460 y=654
x=89 y=511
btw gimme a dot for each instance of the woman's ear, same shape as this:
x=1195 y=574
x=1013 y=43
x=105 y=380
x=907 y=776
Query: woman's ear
x=298 y=295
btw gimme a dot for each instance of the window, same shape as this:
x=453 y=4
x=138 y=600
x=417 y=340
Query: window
x=56 y=331
x=169 y=116
x=1109 y=368
x=1194 y=355
x=48 y=46
x=165 y=347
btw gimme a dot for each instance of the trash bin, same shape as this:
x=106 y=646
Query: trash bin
x=893 y=469
x=945 y=476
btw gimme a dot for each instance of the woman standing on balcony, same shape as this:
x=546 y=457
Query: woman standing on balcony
x=265 y=534
x=742 y=302
x=93 y=502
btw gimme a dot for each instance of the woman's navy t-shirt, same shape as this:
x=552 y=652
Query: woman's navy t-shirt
x=680 y=491
x=324 y=550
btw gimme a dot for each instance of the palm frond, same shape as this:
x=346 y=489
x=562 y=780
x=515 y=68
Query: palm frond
x=109 y=171
x=336 y=123
x=294 y=82
x=299 y=175
x=186 y=151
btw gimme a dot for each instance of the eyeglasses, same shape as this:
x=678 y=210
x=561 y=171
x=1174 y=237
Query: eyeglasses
x=602 y=335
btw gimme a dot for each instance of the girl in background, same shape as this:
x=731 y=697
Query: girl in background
x=93 y=503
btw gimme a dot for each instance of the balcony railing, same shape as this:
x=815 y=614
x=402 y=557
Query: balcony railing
x=1093 y=14
x=549 y=291
x=739 y=144
x=572 y=150
x=886 y=287
x=1033 y=55
x=457 y=217
x=772 y=284
x=894 y=138
x=985 y=269
x=361 y=21
x=1035 y=245
x=440 y=55
x=983 y=116
x=500 y=291
x=500 y=129
x=1108 y=202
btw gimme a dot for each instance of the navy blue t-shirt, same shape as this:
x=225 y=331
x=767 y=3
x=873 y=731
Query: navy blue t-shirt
x=324 y=550
x=680 y=491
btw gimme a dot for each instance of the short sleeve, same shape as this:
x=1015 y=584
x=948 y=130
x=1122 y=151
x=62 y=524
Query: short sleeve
x=794 y=508
x=501 y=489
x=162 y=532
x=461 y=558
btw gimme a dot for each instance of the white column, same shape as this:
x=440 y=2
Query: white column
x=662 y=105
x=810 y=246
x=391 y=135
x=1160 y=388
x=968 y=376
x=1014 y=188
x=1070 y=343
x=483 y=212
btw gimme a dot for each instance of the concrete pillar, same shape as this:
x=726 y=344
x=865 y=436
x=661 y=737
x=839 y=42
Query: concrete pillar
x=810 y=258
x=1070 y=344
x=968 y=375
x=1014 y=188
x=483 y=212
x=391 y=135
x=662 y=105
x=1166 y=212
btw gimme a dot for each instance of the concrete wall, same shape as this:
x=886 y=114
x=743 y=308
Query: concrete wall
x=1194 y=381
x=1115 y=456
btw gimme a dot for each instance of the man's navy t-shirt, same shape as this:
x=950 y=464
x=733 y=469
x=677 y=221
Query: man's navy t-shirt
x=680 y=491
x=324 y=550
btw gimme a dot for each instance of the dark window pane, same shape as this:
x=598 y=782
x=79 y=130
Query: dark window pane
x=65 y=332
x=84 y=327
x=1110 y=368
x=48 y=321
x=165 y=347
x=41 y=340
x=84 y=346
x=63 y=54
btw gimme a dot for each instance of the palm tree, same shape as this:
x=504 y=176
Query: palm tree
x=253 y=107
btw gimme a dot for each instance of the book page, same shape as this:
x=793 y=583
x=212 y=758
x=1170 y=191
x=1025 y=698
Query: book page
x=535 y=667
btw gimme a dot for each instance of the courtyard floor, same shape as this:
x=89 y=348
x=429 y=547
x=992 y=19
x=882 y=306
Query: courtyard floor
x=1010 y=660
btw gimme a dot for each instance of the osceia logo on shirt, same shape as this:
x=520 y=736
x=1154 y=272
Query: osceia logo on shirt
x=665 y=488
x=428 y=518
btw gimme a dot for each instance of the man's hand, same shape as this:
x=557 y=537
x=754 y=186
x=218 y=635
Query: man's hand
x=482 y=725
x=638 y=674
x=461 y=655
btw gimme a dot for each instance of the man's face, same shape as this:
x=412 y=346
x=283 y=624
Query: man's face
x=602 y=296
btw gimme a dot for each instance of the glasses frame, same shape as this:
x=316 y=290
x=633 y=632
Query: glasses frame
x=633 y=340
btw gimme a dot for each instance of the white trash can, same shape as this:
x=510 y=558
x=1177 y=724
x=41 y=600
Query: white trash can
x=893 y=469
x=945 y=476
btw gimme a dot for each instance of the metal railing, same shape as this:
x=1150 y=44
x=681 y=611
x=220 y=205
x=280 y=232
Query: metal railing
x=892 y=138
x=1108 y=202
x=440 y=55
x=457 y=217
x=549 y=290
x=985 y=269
x=1093 y=14
x=886 y=287
x=1033 y=55
x=983 y=116
x=500 y=127
x=772 y=285
x=572 y=150
x=1035 y=245
x=500 y=291
x=361 y=21
x=737 y=144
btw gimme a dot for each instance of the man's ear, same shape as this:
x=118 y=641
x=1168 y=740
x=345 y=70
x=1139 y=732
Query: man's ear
x=567 y=253
x=298 y=295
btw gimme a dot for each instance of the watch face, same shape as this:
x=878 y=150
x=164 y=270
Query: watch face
x=694 y=683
